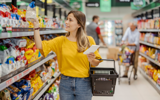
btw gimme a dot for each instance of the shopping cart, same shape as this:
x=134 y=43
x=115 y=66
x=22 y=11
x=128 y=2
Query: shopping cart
x=103 y=80
x=128 y=61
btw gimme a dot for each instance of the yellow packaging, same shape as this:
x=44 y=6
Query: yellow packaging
x=30 y=43
x=155 y=75
x=19 y=12
x=36 y=83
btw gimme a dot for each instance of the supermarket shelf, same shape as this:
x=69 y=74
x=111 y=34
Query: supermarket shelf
x=150 y=6
x=149 y=44
x=24 y=73
x=150 y=59
x=149 y=30
x=20 y=34
x=119 y=34
x=151 y=81
x=41 y=92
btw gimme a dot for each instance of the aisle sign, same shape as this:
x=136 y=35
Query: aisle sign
x=138 y=4
x=124 y=1
x=105 y=5
x=92 y=4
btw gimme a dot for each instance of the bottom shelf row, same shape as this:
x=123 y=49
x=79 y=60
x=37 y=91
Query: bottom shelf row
x=40 y=84
x=150 y=80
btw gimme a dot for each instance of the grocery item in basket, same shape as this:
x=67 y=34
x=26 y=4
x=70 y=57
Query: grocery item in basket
x=5 y=95
x=31 y=12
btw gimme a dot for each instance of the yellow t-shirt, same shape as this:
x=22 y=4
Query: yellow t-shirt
x=71 y=62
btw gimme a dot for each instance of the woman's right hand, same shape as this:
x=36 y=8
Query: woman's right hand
x=36 y=23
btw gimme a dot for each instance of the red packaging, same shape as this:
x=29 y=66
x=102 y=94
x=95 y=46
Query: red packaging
x=159 y=57
x=14 y=9
x=2 y=13
x=7 y=14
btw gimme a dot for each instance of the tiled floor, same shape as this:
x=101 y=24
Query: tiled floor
x=138 y=90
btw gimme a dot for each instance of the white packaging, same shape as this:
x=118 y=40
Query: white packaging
x=31 y=12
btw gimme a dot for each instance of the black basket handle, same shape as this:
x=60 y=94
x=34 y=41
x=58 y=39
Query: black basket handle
x=109 y=60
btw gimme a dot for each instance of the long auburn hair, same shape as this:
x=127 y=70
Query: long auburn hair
x=81 y=36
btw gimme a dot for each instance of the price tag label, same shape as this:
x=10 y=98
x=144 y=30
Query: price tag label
x=17 y=34
x=26 y=72
x=9 y=82
x=15 y=78
x=20 y=75
x=9 y=34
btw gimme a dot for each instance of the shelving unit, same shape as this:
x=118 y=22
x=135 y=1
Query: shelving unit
x=153 y=83
x=20 y=34
x=150 y=59
x=62 y=7
x=149 y=30
x=150 y=44
x=118 y=32
x=44 y=88
x=18 y=76
x=150 y=11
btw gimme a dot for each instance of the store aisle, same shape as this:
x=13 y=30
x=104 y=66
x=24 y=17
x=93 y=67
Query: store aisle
x=138 y=90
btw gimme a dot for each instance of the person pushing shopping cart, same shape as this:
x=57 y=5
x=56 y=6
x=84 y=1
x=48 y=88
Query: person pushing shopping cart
x=132 y=35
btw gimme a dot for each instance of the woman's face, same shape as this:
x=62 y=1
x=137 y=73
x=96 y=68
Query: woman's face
x=71 y=23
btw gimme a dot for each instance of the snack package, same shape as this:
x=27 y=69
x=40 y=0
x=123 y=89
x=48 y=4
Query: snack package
x=15 y=93
x=5 y=95
x=25 y=87
x=36 y=83
x=20 y=42
x=155 y=75
x=158 y=81
x=31 y=12
x=14 y=9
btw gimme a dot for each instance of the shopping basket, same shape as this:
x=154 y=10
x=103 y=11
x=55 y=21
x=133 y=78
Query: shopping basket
x=103 y=80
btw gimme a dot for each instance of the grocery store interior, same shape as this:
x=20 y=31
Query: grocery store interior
x=128 y=35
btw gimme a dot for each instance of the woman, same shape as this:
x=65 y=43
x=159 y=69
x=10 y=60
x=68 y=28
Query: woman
x=73 y=64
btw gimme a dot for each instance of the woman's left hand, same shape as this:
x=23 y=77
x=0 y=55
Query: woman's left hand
x=91 y=57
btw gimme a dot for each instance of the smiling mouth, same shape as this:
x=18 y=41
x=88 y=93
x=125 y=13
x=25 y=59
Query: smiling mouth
x=67 y=26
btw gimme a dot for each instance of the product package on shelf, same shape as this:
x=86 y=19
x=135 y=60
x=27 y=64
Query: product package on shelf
x=20 y=90
x=118 y=32
x=149 y=23
x=151 y=52
x=52 y=93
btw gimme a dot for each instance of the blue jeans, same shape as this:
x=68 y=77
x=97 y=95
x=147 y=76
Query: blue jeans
x=75 y=88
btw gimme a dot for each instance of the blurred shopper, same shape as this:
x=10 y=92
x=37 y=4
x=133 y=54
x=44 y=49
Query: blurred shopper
x=132 y=35
x=94 y=30
x=73 y=64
